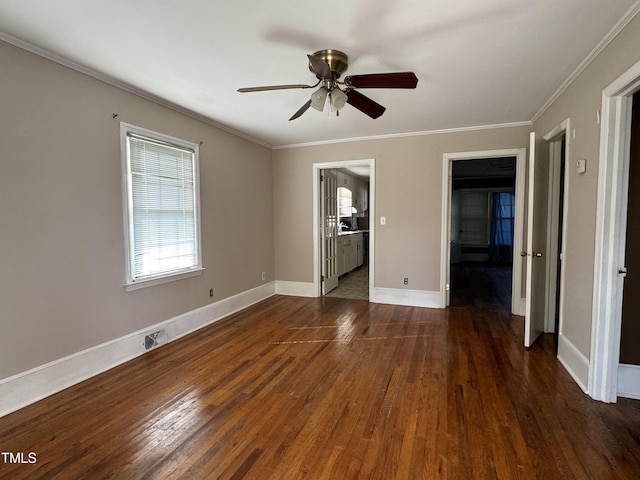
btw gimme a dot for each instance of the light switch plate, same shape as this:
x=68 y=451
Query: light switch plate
x=581 y=165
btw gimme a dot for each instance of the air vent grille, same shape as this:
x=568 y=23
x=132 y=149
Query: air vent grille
x=155 y=339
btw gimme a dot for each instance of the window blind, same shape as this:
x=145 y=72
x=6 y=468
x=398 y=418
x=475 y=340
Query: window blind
x=474 y=218
x=162 y=208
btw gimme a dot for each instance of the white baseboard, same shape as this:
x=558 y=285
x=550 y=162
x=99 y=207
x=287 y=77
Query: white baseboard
x=574 y=361
x=28 y=387
x=629 y=381
x=296 y=289
x=411 y=298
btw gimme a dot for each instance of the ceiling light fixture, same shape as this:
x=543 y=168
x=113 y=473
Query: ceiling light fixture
x=319 y=98
x=338 y=99
x=328 y=65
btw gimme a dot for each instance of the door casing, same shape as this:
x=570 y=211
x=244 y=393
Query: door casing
x=554 y=138
x=611 y=218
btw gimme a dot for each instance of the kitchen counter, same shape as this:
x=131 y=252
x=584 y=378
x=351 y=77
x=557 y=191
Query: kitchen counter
x=351 y=232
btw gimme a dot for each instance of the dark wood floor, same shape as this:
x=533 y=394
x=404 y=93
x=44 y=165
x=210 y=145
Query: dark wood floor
x=481 y=285
x=328 y=388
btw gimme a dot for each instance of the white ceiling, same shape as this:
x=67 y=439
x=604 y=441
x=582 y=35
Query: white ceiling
x=479 y=63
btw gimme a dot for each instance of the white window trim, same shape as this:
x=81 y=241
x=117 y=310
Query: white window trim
x=135 y=284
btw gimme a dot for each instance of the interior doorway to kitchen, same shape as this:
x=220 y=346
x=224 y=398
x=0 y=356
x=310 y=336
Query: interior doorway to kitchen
x=343 y=235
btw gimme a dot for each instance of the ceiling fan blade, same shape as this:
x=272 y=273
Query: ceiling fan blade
x=273 y=87
x=383 y=80
x=302 y=109
x=320 y=67
x=364 y=104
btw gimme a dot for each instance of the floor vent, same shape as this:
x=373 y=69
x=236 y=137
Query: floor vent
x=155 y=339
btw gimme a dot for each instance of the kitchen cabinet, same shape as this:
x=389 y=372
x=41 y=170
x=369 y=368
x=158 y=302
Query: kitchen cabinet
x=360 y=194
x=346 y=255
x=350 y=252
x=341 y=255
x=357 y=187
x=359 y=252
x=345 y=180
x=363 y=196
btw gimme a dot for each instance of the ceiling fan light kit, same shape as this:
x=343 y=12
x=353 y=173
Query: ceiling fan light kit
x=338 y=99
x=328 y=65
x=319 y=98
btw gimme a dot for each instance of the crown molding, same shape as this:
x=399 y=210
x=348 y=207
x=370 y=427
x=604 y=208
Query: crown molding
x=124 y=86
x=408 y=134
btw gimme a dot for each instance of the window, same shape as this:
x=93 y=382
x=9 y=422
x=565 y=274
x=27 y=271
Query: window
x=345 y=202
x=161 y=207
x=504 y=212
x=474 y=217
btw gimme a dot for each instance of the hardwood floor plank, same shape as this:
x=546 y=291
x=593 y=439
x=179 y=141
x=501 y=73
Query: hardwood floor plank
x=299 y=388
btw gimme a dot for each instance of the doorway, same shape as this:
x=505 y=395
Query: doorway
x=463 y=246
x=604 y=369
x=629 y=351
x=358 y=267
x=557 y=144
x=482 y=233
x=629 y=362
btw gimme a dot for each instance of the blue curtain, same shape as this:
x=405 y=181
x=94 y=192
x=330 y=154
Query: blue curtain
x=502 y=218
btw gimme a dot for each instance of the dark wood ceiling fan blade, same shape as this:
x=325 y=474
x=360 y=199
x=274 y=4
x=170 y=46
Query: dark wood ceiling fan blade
x=273 y=87
x=302 y=109
x=383 y=80
x=364 y=104
x=320 y=67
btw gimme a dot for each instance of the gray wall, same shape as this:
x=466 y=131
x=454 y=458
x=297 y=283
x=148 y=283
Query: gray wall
x=581 y=103
x=61 y=216
x=408 y=192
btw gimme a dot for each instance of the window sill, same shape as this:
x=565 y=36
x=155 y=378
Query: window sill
x=152 y=281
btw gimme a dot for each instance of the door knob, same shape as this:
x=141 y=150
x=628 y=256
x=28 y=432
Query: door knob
x=535 y=254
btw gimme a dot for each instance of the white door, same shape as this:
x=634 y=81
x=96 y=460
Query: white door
x=536 y=239
x=329 y=229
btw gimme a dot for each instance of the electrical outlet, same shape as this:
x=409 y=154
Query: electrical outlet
x=406 y=280
x=264 y=275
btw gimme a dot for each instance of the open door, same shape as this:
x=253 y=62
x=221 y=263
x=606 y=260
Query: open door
x=329 y=230
x=536 y=239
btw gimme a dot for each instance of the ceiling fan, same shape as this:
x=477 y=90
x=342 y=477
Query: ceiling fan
x=328 y=65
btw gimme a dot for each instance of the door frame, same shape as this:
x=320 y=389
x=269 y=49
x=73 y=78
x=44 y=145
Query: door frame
x=317 y=246
x=610 y=238
x=517 y=302
x=553 y=138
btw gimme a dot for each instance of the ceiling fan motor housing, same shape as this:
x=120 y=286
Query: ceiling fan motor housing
x=337 y=60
